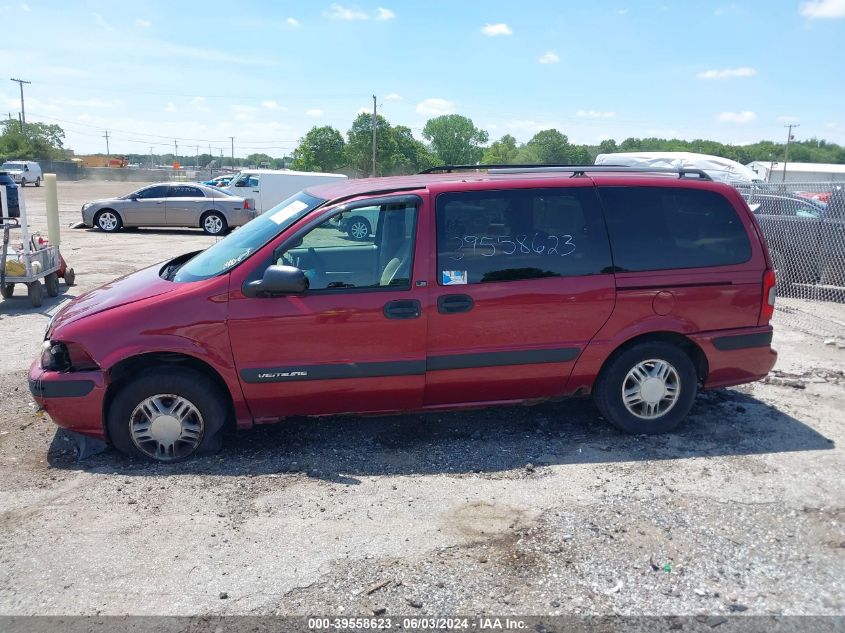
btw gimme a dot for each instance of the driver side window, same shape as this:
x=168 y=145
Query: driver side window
x=370 y=247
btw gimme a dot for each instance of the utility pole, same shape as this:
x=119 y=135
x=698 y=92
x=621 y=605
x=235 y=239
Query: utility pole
x=175 y=151
x=789 y=138
x=21 y=82
x=232 y=138
x=108 y=152
x=198 y=156
x=152 y=164
x=375 y=124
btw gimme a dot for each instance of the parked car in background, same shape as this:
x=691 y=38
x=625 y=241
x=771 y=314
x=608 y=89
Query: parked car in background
x=270 y=186
x=358 y=224
x=219 y=181
x=806 y=238
x=171 y=204
x=474 y=289
x=14 y=210
x=24 y=172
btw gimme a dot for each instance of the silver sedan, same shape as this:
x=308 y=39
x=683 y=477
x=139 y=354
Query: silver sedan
x=171 y=204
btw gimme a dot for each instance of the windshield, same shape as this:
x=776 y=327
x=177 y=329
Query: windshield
x=237 y=246
x=11 y=165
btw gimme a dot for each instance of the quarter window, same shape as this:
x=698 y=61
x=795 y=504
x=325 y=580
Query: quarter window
x=489 y=236
x=661 y=228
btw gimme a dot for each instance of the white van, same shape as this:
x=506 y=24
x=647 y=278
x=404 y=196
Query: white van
x=269 y=187
x=23 y=172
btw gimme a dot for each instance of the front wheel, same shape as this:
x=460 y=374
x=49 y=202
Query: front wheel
x=108 y=221
x=51 y=281
x=648 y=388
x=214 y=223
x=23 y=182
x=35 y=292
x=168 y=414
x=358 y=228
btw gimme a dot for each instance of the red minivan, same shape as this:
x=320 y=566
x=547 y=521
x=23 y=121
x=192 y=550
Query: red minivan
x=474 y=287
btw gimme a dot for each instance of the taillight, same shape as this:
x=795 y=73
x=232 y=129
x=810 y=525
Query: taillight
x=246 y=203
x=769 y=288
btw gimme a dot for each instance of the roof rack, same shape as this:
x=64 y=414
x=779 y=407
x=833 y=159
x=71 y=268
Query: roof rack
x=577 y=170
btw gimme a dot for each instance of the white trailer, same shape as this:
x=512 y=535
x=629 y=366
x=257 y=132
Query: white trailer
x=269 y=187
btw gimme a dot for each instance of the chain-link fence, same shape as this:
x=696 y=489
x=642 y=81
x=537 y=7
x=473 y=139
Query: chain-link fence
x=804 y=224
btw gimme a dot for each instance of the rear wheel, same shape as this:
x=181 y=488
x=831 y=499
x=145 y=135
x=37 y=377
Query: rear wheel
x=38 y=182
x=168 y=414
x=7 y=290
x=51 y=282
x=214 y=223
x=648 y=388
x=70 y=277
x=108 y=221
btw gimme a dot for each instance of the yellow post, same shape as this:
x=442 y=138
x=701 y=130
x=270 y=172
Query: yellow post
x=52 y=209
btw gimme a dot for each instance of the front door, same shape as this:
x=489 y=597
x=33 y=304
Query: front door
x=523 y=282
x=148 y=209
x=355 y=340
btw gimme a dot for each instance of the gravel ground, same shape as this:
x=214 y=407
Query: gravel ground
x=520 y=510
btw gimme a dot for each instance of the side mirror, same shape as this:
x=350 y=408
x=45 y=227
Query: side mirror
x=133 y=196
x=278 y=280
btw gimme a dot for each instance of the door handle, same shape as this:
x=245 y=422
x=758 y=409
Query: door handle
x=402 y=309
x=452 y=304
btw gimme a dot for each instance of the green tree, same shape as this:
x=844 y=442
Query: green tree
x=455 y=139
x=608 y=146
x=551 y=146
x=38 y=141
x=257 y=159
x=321 y=149
x=410 y=156
x=501 y=152
x=359 y=146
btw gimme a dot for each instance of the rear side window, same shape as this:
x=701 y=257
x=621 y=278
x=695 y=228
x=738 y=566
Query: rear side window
x=184 y=191
x=487 y=236
x=660 y=228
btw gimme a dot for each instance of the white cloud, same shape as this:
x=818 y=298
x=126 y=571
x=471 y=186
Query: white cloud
x=168 y=49
x=142 y=23
x=731 y=8
x=200 y=104
x=500 y=28
x=243 y=109
x=271 y=104
x=67 y=71
x=87 y=103
x=384 y=14
x=728 y=73
x=314 y=112
x=549 y=58
x=392 y=97
x=593 y=114
x=786 y=118
x=25 y=7
x=746 y=116
x=101 y=21
x=622 y=11
x=339 y=12
x=170 y=107
x=823 y=9
x=362 y=110
x=435 y=107
x=293 y=22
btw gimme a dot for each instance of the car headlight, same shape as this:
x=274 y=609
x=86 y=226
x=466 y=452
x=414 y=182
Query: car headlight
x=55 y=356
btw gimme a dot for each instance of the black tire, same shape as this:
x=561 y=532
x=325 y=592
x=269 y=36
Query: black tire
x=358 y=228
x=51 y=283
x=38 y=182
x=70 y=277
x=7 y=290
x=23 y=182
x=214 y=223
x=108 y=220
x=35 y=291
x=191 y=385
x=614 y=375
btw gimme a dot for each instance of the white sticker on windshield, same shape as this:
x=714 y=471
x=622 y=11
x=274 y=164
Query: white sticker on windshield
x=286 y=212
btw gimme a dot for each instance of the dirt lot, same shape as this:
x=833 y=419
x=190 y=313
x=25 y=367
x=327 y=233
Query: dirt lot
x=521 y=510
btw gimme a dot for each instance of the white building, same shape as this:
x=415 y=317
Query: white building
x=798 y=172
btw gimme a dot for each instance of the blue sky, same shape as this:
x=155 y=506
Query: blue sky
x=265 y=72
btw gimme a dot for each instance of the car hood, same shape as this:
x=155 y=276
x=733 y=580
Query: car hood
x=136 y=286
x=106 y=201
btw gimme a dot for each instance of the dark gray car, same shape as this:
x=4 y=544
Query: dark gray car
x=171 y=204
